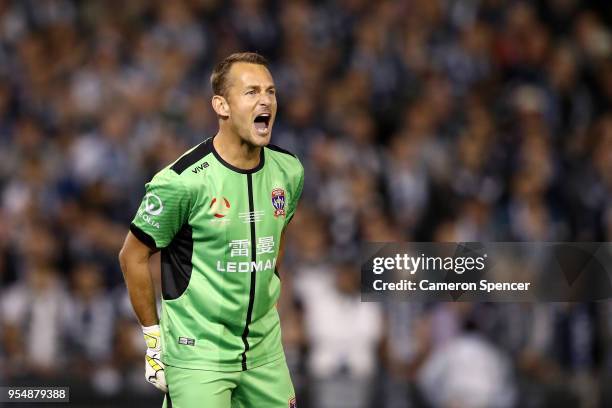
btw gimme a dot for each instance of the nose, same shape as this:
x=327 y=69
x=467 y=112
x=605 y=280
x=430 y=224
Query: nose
x=265 y=99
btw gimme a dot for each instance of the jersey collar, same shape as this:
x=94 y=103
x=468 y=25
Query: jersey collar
x=262 y=158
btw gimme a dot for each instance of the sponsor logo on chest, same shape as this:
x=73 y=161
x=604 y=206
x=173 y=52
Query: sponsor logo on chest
x=199 y=168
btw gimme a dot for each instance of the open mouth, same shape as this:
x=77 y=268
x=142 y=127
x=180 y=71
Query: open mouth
x=262 y=122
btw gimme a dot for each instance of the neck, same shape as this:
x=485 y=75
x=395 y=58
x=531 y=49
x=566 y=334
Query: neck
x=235 y=151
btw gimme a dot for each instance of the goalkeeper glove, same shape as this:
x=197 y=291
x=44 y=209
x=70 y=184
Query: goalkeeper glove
x=154 y=368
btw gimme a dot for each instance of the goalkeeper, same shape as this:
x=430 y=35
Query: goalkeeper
x=217 y=214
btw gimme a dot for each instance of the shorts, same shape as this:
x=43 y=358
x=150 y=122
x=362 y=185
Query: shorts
x=266 y=386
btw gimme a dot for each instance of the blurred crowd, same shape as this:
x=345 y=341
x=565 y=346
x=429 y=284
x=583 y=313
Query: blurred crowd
x=417 y=120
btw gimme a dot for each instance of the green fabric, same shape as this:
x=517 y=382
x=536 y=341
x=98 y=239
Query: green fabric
x=266 y=386
x=206 y=203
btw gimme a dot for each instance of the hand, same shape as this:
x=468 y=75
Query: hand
x=154 y=368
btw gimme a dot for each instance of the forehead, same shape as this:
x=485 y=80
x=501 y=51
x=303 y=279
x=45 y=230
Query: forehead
x=244 y=74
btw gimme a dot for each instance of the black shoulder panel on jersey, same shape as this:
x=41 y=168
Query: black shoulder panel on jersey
x=193 y=157
x=279 y=149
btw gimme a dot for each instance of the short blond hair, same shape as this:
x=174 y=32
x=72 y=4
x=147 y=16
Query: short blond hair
x=218 y=78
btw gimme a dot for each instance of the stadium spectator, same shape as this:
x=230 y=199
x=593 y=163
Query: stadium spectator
x=342 y=357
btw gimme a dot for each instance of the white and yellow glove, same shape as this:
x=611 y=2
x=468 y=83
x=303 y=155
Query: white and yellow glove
x=154 y=368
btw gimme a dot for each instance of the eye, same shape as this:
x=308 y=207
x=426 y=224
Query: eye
x=251 y=92
x=272 y=91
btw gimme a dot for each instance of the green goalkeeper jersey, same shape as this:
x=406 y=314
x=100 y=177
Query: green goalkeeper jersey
x=219 y=229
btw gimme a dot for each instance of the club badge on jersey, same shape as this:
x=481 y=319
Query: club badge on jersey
x=278 y=201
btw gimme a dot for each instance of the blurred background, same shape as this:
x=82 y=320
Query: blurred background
x=418 y=120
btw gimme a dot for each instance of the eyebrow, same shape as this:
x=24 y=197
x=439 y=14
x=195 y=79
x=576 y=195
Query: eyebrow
x=259 y=87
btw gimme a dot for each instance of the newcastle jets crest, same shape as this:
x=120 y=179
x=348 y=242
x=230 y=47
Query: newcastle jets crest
x=278 y=201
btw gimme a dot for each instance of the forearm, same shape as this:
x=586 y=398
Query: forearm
x=140 y=288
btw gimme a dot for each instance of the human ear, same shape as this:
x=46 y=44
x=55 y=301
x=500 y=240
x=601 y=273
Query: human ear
x=220 y=105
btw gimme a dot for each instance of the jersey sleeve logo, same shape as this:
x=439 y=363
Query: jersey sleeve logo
x=278 y=201
x=153 y=204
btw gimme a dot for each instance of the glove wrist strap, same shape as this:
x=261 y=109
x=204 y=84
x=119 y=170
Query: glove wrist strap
x=152 y=330
x=152 y=336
